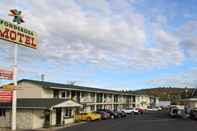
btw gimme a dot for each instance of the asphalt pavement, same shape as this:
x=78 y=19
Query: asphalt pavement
x=151 y=121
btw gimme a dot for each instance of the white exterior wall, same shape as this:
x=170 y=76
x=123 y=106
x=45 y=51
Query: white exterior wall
x=38 y=119
x=157 y=102
x=86 y=98
x=5 y=121
x=28 y=90
x=47 y=93
x=192 y=104
x=69 y=120
x=142 y=101
x=53 y=118
x=25 y=119
x=87 y=109
x=30 y=118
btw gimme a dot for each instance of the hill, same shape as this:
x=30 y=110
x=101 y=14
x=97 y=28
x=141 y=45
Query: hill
x=168 y=93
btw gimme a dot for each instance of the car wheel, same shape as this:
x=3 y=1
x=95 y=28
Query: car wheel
x=89 y=119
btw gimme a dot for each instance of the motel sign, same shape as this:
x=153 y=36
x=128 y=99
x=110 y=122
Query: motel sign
x=5 y=74
x=17 y=34
x=5 y=96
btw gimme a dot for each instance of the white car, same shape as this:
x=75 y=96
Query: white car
x=154 y=109
x=130 y=110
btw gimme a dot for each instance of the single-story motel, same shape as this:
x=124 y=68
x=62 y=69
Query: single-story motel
x=189 y=102
x=43 y=104
x=36 y=113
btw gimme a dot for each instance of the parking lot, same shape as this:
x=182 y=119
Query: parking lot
x=152 y=121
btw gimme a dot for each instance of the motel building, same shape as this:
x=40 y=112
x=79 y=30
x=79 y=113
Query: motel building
x=43 y=104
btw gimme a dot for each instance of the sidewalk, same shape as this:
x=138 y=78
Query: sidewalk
x=47 y=129
x=57 y=127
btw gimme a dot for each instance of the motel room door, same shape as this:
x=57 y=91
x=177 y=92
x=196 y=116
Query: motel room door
x=58 y=116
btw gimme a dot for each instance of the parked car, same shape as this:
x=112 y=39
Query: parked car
x=104 y=115
x=130 y=110
x=140 y=110
x=154 y=109
x=122 y=114
x=112 y=113
x=118 y=114
x=193 y=113
x=127 y=110
x=88 y=116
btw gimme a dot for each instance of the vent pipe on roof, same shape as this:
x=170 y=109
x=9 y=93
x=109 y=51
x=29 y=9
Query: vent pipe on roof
x=42 y=77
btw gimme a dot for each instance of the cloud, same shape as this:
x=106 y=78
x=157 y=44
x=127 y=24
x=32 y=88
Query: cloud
x=87 y=32
x=188 y=34
x=181 y=79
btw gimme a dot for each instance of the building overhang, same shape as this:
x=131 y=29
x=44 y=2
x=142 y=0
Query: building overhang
x=66 y=104
x=189 y=100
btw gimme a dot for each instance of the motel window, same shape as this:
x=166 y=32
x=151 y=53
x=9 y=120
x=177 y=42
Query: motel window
x=92 y=94
x=63 y=95
x=134 y=99
x=68 y=112
x=55 y=93
x=67 y=93
x=92 y=108
x=83 y=94
x=105 y=96
x=116 y=98
x=99 y=107
x=99 y=98
x=115 y=107
x=2 y=112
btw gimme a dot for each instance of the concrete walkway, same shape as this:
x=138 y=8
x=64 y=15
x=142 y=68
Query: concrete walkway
x=47 y=129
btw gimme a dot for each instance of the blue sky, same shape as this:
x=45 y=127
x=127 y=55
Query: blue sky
x=114 y=44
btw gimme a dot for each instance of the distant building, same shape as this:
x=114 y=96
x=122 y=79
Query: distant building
x=164 y=103
x=146 y=101
x=190 y=102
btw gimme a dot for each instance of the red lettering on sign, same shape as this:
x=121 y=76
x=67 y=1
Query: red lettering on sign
x=12 y=35
x=28 y=40
x=20 y=36
x=32 y=43
x=5 y=33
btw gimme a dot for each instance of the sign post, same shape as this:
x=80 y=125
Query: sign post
x=19 y=35
x=14 y=90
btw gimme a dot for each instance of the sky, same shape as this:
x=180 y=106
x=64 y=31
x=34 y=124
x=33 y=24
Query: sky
x=111 y=44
